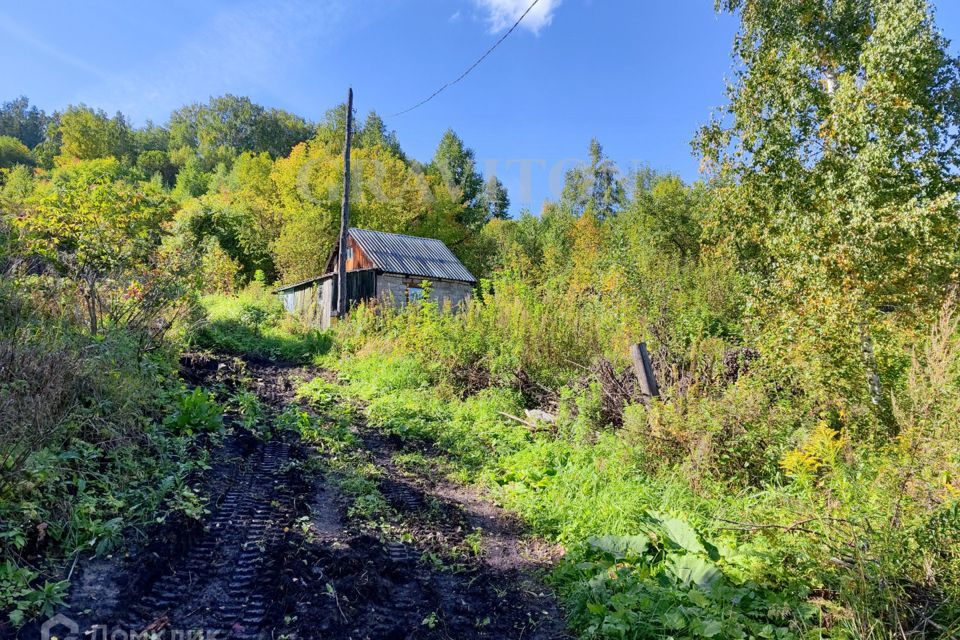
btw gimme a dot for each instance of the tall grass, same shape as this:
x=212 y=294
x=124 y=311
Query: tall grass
x=841 y=537
x=254 y=323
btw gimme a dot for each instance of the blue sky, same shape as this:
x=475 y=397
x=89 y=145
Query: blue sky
x=640 y=76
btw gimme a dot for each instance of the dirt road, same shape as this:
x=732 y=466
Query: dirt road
x=279 y=556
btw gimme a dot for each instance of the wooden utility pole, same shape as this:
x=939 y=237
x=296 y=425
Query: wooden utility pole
x=344 y=215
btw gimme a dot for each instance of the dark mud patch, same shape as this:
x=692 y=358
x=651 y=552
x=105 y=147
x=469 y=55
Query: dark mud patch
x=457 y=511
x=462 y=568
x=277 y=556
x=274 y=383
x=360 y=587
x=213 y=578
x=345 y=582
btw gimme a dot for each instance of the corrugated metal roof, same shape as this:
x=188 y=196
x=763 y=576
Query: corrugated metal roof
x=295 y=285
x=410 y=255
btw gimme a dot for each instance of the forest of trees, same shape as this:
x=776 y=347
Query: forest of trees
x=257 y=188
x=799 y=303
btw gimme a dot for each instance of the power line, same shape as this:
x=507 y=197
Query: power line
x=473 y=66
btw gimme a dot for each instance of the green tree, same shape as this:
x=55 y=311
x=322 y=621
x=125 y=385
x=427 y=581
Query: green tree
x=386 y=194
x=18 y=184
x=151 y=137
x=496 y=201
x=836 y=163
x=210 y=217
x=303 y=246
x=21 y=121
x=333 y=126
x=669 y=212
x=13 y=152
x=47 y=151
x=192 y=180
x=153 y=141
x=375 y=133
x=220 y=271
x=95 y=226
x=515 y=246
x=151 y=144
x=279 y=131
x=236 y=124
x=596 y=186
x=250 y=181
x=153 y=162
x=454 y=163
x=242 y=215
x=229 y=121
x=88 y=134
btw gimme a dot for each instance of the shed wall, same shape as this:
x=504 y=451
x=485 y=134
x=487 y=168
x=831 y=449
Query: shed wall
x=302 y=301
x=315 y=301
x=394 y=287
x=327 y=298
x=356 y=259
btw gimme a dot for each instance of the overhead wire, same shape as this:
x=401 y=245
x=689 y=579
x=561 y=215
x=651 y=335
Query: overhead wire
x=472 y=67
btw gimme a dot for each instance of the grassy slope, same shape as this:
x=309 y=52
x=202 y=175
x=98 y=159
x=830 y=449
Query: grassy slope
x=254 y=323
x=591 y=497
x=96 y=444
x=835 y=545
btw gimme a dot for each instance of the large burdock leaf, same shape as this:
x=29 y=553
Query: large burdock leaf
x=682 y=535
x=693 y=570
x=711 y=628
x=629 y=548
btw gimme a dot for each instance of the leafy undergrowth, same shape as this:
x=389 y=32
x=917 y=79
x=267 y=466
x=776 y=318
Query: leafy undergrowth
x=254 y=324
x=668 y=581
x=651 y=554
x=98 y=441
x=627 y=573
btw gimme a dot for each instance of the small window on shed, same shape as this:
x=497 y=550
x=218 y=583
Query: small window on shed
x=414 y=293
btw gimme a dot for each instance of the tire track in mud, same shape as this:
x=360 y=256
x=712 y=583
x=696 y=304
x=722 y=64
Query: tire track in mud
x=278 y=556
x=363 y=584
x=218 y=585
x=212 y=579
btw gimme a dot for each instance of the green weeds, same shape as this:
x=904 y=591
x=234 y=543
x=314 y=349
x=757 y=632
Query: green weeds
x=195 y=412
x=784 y=538
x=247 y=405
x=340 y=456
x=86 y=497
x=667 y=580
x=97 y=442
x=255 y=324
x=25 y=595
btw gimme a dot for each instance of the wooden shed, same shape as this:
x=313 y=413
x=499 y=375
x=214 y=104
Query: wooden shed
x=388 y=267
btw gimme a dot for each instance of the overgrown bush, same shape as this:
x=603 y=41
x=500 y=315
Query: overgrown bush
x=195 y=412
x=255 y=324
x=818 y=532
x=85 y=453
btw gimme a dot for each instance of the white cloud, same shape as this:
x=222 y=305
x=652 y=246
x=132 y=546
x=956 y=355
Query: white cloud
x=501 y=14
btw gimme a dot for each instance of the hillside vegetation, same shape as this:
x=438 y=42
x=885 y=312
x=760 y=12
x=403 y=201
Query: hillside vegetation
x=797 y=477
